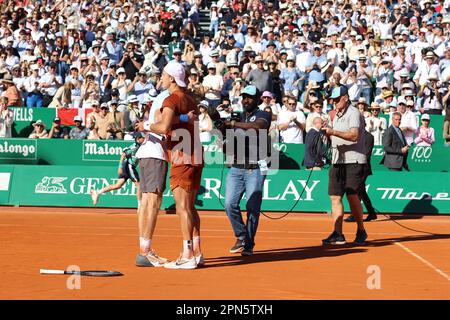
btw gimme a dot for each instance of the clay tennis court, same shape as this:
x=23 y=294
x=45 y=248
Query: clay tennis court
x=289 y=261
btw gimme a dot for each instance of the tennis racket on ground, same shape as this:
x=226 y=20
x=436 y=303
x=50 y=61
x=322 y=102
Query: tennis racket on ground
x=90 y=273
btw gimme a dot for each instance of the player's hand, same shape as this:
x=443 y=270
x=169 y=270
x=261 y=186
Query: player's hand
x=328 y=131
x=192 y=116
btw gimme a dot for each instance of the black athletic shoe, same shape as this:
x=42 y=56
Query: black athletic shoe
x=247 y=252
x=361 y=236
x=238 y=246
x=371 y=216
x=350 y=218
x=334 y=238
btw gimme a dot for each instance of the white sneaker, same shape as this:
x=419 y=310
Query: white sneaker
x=182 y=263
x=94 y=196
x=200 y=260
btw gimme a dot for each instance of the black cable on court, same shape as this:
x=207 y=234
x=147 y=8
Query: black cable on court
x=320 y=149
x=326 y=154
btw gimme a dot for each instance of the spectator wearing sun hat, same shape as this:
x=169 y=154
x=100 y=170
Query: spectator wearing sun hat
x=426 y=68
x=312 y=66
x=269 y=102
x=375 y=124
x=291 y=76
x=259 y=77
x=39 y=131
x=430 y=95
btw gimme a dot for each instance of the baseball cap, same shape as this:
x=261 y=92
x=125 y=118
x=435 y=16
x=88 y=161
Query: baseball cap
x=250 y=90
x=57 y=119
x=401 y=100
x=425 y=116
x=204 y=103
x=211 y=65
x=176 y=50
x=267 y=94
x=176 y=70
x=77 y=118
x=174 y=34
x=339 y=92
x=138 y=134
x=120 y=70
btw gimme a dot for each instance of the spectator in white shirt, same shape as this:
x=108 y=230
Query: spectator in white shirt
x=291 y=123
x=426 y=69
x=408 y=122
x=376 y=125
x=50 y=82
x=212 y=84
x=431 y=96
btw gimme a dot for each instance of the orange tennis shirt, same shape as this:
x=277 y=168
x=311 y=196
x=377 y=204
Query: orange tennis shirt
x=184 y=145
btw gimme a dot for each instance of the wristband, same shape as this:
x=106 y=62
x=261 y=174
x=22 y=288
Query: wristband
x=184 y=118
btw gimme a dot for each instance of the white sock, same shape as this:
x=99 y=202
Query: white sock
x=196 y=241
x=187 y=248
x=144 y=244
x=139 y=204
x=100 y=191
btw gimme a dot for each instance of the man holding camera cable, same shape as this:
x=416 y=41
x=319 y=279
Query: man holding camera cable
x=248 y=169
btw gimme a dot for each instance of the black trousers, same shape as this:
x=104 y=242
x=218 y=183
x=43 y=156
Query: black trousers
x=365 y=198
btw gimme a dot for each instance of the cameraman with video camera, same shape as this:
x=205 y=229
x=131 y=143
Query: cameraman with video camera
x=248 y=169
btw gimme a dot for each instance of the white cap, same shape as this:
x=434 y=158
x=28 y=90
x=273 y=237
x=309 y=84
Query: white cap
x=211 y=65
x=176 y=70
x=401 y=99
x=120 y=70
x=10 y=39
x=132 y=98
x=204 y=103
x=34 y=67
x=77 y=118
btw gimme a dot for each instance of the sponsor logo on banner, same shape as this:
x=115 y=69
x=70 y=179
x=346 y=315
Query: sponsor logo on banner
x=102 y=151
x=20 y=149
x=80 y=186
x=422 y=154
x=51 y=185
x=23 y=114
x=378 y=151
x=400 y=194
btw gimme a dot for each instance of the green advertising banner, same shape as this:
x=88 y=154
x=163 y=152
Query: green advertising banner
x=24 y=118
x=391 y=192
x=107 y=153
x=6 y=174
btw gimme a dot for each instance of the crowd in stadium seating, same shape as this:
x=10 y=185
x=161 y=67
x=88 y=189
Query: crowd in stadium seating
x=108 y=56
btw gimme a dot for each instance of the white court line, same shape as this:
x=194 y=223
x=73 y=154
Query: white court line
x=429 y=264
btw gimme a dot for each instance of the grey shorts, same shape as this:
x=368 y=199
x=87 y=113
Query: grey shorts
x=153 y=175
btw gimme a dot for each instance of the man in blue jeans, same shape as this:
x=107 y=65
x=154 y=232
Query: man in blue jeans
x=246 y=149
